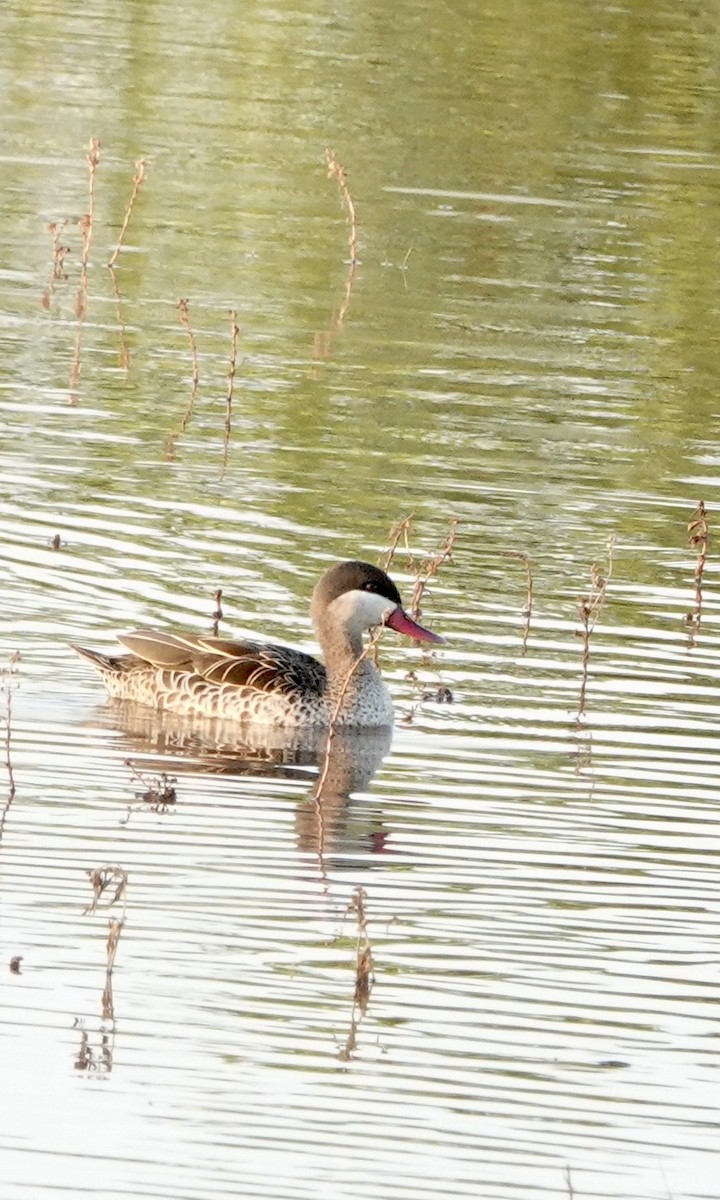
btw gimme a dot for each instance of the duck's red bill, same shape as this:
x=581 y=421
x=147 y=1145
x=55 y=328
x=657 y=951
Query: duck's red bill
x=402 y=623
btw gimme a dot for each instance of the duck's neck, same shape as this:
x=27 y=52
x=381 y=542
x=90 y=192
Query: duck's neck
x=344 y=661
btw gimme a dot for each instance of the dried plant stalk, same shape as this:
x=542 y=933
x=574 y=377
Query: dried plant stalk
x=589 y=607
x=101 y=879
x=364 y=971
x=92 y=159
x=234 y=333
x=9 y=683
x=428 y=569
x=527 y=610
x=138 y=180
x=337 y=171
x=699 y=539
x=185 y=322
x=218 y=613
x=59 y=251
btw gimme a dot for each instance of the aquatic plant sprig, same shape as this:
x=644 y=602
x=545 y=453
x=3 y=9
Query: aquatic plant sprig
x=364 y=971
x=336 y=171
x=234 y=334
x=698 y=539
x=59 y=252
x=589 y=607
x=138 y=180
x=101 y=880
x=527 y=610
x=9 y=680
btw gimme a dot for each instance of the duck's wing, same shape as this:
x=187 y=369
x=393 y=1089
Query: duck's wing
x=264 y=667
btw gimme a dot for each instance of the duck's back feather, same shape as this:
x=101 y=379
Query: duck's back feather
x=262 y=667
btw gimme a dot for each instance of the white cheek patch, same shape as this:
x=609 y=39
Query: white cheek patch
x=359 y=610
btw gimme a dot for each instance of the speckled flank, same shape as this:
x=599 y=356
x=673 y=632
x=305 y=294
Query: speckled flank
x=187 y=694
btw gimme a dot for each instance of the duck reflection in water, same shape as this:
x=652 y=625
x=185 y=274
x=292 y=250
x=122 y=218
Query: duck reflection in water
x=345 y=763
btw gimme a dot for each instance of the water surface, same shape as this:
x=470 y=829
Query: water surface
x=526 y=344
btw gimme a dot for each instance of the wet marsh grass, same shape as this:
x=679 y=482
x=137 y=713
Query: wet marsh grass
x=424 y=569
x=232 y=368
x=324 y=339
x=527 y=610
x=9 y=684
x=589 y=607
x=138 y=180
x=698 y=531
x=158 y=793
x=364 y=968
x=103 y=880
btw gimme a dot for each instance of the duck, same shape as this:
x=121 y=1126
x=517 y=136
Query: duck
x=246 y=681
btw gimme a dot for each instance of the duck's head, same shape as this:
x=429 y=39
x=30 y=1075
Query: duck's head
x=357 y=596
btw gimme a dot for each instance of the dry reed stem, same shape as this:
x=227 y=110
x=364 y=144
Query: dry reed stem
x=400 y=530
x=423 y=569
x=364 y=971
x=322 y=346
x=100 y=880
x=698 y=539
x=183 y=311
x=428 y=569
x=138 y=180
x=58 y=268
x=234 y=333
x=159 y=793
x=337 y=171
x=527 y=610
x=185 y=322
x=218 y=614
x=10 y=675
x=569 y=1184
x=589 y=607
x=85 y=225
x=92 y=159
x=124 y=357
x=323 y=340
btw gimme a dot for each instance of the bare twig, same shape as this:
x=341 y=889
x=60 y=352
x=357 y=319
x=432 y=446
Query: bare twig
x=398 y=531
x=9 y=684
x=100 y=879
x=124 y=357
x=185 y=322
x=218 y=613
x=234 y=332
x=698 y=539
x=337 y=171
x=159 y=793
x=85 y=225
x=364 y=971
x=569 y=1184
x=589 y=607
x=58 y=269
x=527 y=611
x=92 y=159
x=428 y=569
x=323 y=339
x=138 y=179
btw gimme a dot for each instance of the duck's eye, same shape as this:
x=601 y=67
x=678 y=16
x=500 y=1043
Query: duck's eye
x=369 y=587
